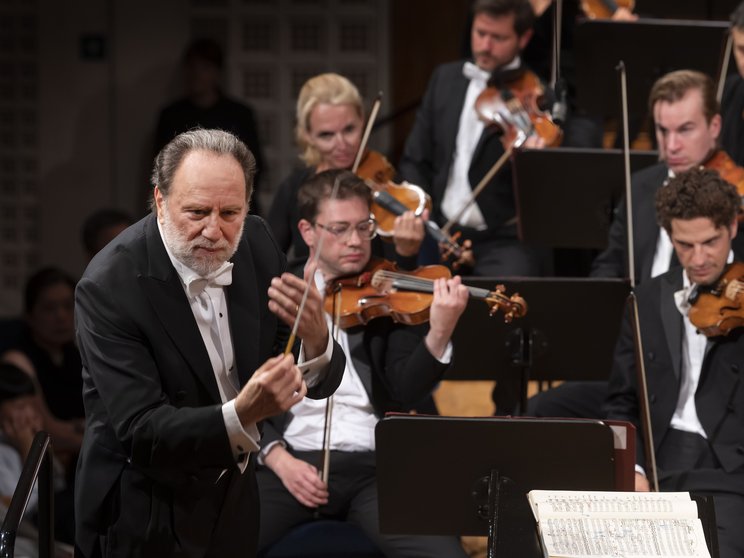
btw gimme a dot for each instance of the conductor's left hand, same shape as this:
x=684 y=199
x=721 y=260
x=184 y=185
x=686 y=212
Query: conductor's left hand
x=285 y=295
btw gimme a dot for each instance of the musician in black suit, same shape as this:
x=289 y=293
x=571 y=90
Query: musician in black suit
x=178 y=348
x=390 y=367
x=687 y=121
x=695 y=384
x=732 y=101
x=449 y=149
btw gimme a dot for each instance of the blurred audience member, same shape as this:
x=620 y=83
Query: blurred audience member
x=20 y=420
x=46 y=352
x=206 y=105
x=101 y=227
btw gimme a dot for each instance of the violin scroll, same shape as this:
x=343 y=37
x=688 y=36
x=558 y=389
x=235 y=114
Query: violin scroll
x=513 y=306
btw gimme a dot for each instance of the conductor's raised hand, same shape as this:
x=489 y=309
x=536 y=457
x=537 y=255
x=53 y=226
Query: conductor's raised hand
x=285 y=295
x=273 y=389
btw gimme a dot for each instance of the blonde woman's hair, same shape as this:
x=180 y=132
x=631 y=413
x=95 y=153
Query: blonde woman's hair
x=332 y=89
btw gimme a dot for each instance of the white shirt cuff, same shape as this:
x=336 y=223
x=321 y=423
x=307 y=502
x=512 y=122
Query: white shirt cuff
x=265 y=451
x=243 y=441
x=447 y=355
x=314 y=370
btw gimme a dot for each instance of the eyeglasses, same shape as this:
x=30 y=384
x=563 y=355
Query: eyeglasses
x=366 y=230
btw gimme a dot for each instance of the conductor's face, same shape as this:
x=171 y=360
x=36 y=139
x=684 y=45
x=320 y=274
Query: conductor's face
x=684 y=134
x=494 y=41
x=202 y=216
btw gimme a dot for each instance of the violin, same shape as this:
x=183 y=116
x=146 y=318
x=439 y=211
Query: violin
x=381 y=290
x=389 y=200
x=378 y=174
x=511 y=103
x=729 y=171
x=604 y=9
x=718 y=309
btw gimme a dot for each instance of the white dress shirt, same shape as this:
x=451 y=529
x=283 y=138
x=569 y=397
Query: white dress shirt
x=693 y=352
x=459 y=190
x=210 y=312
x=353 y=415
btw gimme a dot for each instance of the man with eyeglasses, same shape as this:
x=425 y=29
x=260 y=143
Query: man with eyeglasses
x=390 y=367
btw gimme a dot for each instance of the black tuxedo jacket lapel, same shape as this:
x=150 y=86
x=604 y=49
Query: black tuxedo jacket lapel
x=672 y=320
x=645 y=229
x=242 y=301
x=359 y=357
x=165 y=292
x=455 y=98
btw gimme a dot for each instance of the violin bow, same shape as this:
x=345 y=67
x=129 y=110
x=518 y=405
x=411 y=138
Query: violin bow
x=645 y=412
x=326 y=452
x=313 y=264
x=724 y=66
x=367 y=131
x=496 y=167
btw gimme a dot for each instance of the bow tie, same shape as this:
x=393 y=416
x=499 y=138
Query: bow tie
x=223 y=276
x=682 y=298
x=471 y=71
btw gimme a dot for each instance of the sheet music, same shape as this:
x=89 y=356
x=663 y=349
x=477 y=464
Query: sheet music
x=618 y=524
x=569 y=503
x=631 y=538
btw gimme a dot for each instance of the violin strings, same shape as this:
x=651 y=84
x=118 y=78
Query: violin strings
x=426 y=285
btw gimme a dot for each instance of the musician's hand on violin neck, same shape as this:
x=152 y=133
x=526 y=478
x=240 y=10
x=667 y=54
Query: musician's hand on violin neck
x=448 y=304
x=408 y=233
x=535 y=142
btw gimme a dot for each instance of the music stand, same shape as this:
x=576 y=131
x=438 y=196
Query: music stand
x=574 y=210
x=470 y=476
x=650 y=48
x=700 y=9
x=550 y=342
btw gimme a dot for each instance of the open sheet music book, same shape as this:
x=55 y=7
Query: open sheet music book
x=623 y=524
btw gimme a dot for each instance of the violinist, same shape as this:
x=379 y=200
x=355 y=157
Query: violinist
x=330 y=121
x=389 y=367
x=695 y=384
x=732 y=102
x=687 y=121
x=449 y=149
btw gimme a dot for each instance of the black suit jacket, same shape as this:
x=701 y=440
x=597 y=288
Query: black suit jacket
x=612 y=262
x=156 y=474
x=732 y=115
x=720 y=394
x=397 y=370
x=429 y=152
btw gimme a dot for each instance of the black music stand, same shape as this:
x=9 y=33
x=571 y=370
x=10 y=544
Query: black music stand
x=565 y=197
x=470 y=476
x=550 y=342
x=650 y=48
x=700 y=9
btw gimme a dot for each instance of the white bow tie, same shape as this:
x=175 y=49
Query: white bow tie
x=471 y=71
x=222 y=277
x=682 y=299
